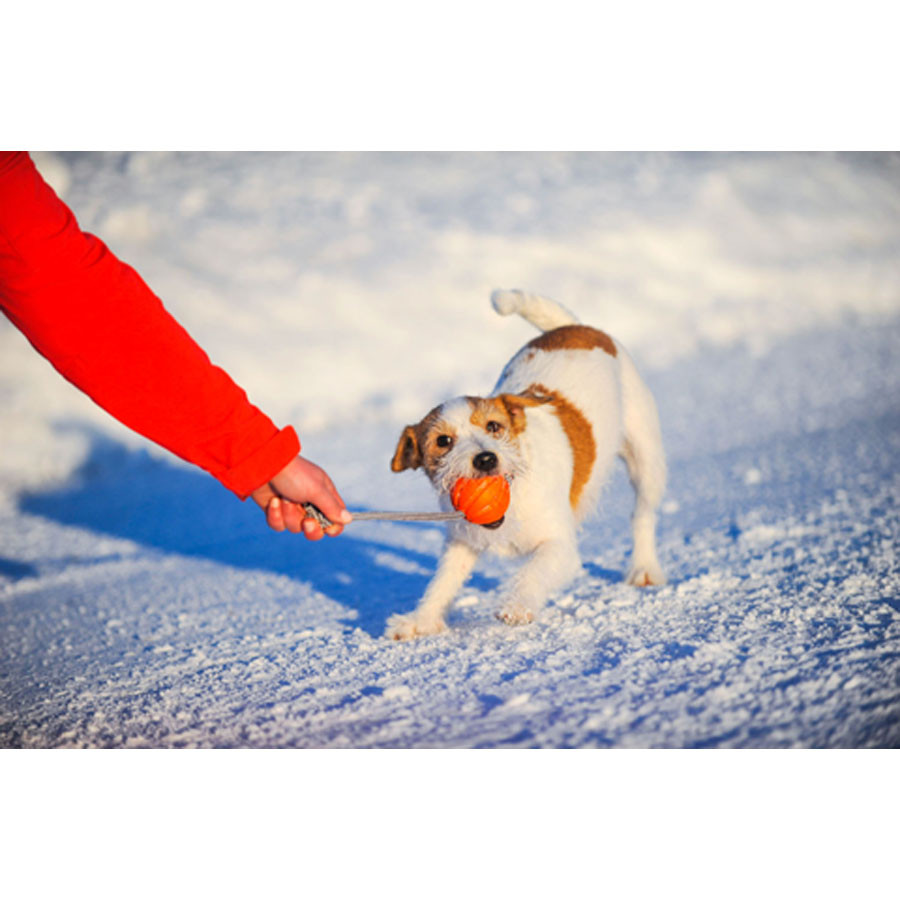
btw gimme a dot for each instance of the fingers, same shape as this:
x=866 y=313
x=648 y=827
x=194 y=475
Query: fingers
x=334 y=531
x=314 y=531
x=302 y=481
x=275 y=515
x=293 y=516
x=325 y=496
x=282 y=515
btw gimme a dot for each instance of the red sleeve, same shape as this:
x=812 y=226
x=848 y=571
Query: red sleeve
x=104 y=330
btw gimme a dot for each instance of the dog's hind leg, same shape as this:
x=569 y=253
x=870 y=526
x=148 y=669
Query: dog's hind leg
x=643 y=453
x=454 y=568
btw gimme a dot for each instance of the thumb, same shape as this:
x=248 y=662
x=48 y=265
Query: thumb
x=327 y=499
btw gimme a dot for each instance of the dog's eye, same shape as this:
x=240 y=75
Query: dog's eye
x=494 y=427
x=444 y=440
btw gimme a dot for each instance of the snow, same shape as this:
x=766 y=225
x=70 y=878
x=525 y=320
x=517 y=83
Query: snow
x=141 y=605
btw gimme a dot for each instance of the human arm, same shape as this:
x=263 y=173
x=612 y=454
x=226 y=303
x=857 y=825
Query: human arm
x=103 y=329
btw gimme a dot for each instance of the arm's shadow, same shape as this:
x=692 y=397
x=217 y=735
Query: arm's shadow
x=128 y=494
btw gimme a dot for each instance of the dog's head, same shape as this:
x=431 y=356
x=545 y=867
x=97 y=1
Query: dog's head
x=467 y=437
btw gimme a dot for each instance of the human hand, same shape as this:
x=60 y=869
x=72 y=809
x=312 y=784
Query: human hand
x=299 y=482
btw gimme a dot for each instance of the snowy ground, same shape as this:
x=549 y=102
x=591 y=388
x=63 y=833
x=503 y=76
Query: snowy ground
x=142 y=606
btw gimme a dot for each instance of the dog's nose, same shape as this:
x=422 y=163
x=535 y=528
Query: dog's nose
x=485 y=461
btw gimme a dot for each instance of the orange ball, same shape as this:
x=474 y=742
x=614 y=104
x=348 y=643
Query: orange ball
x=482 y=500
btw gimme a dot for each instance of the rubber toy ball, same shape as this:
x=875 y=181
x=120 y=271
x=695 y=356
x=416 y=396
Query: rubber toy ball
x=483 y=501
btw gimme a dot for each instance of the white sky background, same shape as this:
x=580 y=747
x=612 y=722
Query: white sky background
x=502 y=75
x=466 y=76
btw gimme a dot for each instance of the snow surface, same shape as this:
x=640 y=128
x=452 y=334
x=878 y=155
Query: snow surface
x=141 y=605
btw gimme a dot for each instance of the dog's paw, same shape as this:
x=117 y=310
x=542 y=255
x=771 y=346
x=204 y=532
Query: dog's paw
x=646 y=575
x=404 y=628
x=513 y=613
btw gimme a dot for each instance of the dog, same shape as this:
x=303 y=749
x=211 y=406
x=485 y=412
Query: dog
x=565 y=406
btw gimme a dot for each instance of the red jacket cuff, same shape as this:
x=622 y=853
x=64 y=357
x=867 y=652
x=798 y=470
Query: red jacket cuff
x=263 y=465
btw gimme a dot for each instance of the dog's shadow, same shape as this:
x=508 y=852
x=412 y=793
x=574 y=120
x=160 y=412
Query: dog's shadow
x=611 y=575
x=126 y=493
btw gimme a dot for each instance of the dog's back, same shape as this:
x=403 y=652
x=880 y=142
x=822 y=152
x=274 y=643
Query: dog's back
x=574 y=368
x=601 y=387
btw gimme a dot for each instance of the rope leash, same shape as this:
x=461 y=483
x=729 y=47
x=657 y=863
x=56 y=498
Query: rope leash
x=315 y=513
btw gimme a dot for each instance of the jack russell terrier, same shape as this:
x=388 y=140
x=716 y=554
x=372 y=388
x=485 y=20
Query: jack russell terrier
x=565 y=406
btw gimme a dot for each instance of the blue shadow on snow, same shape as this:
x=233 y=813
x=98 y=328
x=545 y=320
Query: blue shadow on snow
x=128 y=494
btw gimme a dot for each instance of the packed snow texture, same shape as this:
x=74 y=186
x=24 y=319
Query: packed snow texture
x=141 y=605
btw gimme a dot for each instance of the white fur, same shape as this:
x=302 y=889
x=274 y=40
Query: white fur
x=544 y=314
x=540 y=523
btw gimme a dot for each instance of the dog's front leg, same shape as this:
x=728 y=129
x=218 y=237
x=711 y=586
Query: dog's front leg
x=551 y=566
x=454 y=568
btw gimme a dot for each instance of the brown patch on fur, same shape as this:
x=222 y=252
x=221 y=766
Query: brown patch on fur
x=516 y=404
x=579 y=432
x=407 y=455
x=574 y=337
x=506 y=409
x=417 y=445
x=488 y=409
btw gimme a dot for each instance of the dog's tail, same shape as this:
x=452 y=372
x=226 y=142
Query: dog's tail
x=542 y=313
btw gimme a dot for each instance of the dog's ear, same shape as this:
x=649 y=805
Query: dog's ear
x=408 y=454
x=516 y=405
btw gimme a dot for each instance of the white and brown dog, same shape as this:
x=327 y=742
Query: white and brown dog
x=565 y=406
